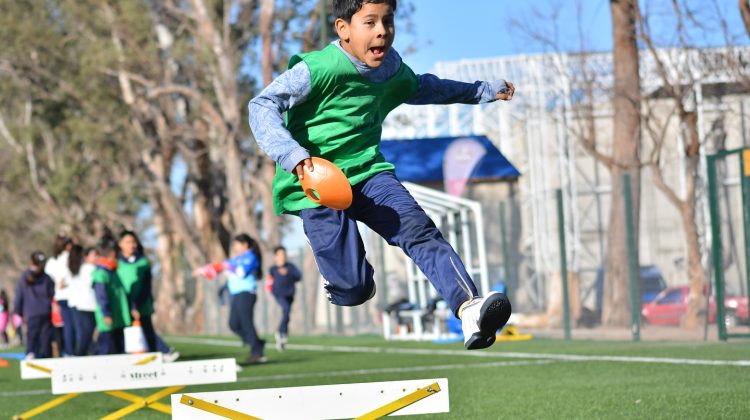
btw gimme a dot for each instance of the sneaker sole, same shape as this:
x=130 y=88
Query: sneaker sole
x=495 y=313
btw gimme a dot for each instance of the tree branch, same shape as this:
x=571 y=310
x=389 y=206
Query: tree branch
x=206 y=106
x=663 y=187
x=8 y=136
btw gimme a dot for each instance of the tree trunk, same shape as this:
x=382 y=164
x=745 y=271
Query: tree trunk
x=625 y=153
x=266 y=33
x=745 y=13
x=268 y=170
x=238 y=202
x=170 y=296
x=696 y=274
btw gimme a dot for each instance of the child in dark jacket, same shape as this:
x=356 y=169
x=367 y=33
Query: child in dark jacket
x=33 y=301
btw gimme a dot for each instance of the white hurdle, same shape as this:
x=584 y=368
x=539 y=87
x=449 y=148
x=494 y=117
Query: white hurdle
x=114 y=374
x=361 y=401
x=65 y=381
x=43 y=368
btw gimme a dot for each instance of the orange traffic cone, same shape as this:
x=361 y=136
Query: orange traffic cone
x=327 y=185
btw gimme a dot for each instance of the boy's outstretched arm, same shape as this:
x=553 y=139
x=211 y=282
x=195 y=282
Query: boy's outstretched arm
x=433 y=90
x=265 y=114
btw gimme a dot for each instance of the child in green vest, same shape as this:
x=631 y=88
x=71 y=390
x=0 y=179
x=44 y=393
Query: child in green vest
x=134 y=272
x=112 y=313
x=336 y=100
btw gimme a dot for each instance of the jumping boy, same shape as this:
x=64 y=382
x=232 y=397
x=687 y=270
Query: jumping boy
x=336 y=100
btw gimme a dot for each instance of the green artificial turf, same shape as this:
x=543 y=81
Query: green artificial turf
x=517 y=387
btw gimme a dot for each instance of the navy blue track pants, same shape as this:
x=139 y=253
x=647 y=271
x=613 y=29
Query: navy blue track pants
x=386 y=207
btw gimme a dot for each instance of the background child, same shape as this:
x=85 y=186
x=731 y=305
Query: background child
x=336 y=100
x=57 y=268
x=33 y=301
x=81 y=298
x=112 y=314
x=243 y=271
x=4 y=317
x=134 y=271
x=283 y=277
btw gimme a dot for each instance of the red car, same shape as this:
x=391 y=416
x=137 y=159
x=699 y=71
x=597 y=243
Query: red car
x=670 y=306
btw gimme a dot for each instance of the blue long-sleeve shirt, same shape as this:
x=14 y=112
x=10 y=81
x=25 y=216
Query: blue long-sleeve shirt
x=241 y=273
x=100 y=292
x=293 y=87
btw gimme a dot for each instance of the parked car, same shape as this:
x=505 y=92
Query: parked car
x=652 y=283
x=670 y=306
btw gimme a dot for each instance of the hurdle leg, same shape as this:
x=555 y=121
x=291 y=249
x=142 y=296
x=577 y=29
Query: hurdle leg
x=46 y=406
x=150 y=401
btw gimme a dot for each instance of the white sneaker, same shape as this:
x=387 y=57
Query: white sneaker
x=171 y=356
x=482 y=317
x=280 y=342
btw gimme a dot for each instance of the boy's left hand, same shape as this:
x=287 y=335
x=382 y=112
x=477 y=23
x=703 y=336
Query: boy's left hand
x=506 y=94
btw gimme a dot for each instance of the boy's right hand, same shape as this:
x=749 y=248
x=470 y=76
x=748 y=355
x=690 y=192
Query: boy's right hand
x=300 y=168
x=506 y=94
x=108 y=320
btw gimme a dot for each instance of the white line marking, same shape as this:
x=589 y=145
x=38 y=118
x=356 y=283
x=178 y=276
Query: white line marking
x=25 y=393
x=391 y=370
x=515 y=355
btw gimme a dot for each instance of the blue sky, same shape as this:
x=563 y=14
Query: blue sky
x=447 y=30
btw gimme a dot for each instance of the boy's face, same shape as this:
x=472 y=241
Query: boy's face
x=370 y=33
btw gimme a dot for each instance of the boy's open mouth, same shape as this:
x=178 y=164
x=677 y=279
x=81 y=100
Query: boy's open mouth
x=377 y=51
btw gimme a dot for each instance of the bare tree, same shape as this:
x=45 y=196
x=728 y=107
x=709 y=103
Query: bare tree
x=625 y=147
x=626 y=160
x=679 y=86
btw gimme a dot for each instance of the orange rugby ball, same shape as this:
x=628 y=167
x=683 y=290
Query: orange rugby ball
x=327 y=185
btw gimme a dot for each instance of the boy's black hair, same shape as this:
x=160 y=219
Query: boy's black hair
x=107 y=246
x=345 y=9
x=279 y=248
x=244 y=238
